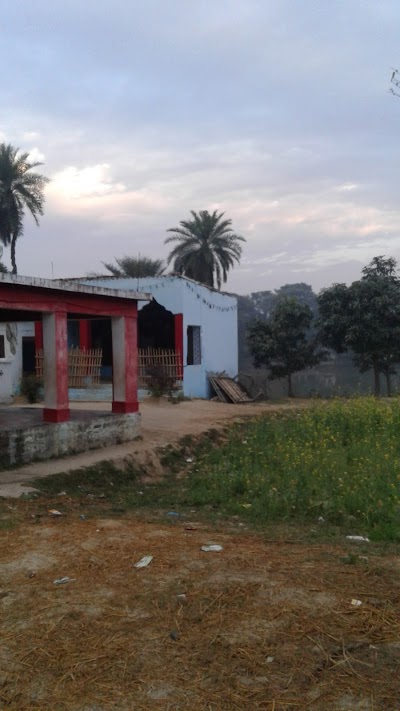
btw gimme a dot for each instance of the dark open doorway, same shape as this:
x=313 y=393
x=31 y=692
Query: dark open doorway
x=28 y=354
x=156 y=327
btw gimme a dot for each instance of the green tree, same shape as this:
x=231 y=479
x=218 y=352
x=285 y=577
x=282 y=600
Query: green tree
x=136 y=267
x=206 y=248
x=20 y=190
x=283 y=343
x=365 y=319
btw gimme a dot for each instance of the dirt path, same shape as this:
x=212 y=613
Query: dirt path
x=162 y=424
x=258 y=626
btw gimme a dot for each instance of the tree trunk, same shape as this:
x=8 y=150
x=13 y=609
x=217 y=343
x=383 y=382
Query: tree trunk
x=377 y=382
x=290 y=386
x=388 y=383
x=13 y=262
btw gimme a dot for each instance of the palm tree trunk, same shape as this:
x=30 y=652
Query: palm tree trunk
x=13 y=262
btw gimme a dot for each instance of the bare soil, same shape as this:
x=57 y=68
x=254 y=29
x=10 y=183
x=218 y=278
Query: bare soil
x=257 y=626
x=262 y=625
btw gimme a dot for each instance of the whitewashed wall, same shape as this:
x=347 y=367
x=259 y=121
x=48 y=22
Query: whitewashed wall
x=215 y=313
x=11 y=365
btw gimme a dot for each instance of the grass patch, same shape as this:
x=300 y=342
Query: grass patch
x=338 y=461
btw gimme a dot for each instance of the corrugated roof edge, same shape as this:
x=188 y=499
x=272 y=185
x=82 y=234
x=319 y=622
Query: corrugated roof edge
x=72 y=286
x=163 y=276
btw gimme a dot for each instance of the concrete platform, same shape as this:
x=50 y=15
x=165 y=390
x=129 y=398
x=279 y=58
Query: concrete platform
x=25 y=438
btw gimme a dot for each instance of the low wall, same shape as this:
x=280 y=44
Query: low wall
x=45 y=441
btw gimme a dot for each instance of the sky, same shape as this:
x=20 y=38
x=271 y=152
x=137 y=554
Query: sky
x=276 y=112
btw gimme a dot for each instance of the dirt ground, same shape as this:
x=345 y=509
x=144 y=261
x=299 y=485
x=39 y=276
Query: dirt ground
x=260 y=625
x=278 y=620
x=162 y=423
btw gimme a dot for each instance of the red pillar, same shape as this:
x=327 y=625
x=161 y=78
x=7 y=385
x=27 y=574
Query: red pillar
x=85 y=334
x=125 y=363
x=55 y=346
x=38 y=336
x=178 y=323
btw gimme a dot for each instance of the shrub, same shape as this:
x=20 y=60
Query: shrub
x=160 y=382
x=32 y=388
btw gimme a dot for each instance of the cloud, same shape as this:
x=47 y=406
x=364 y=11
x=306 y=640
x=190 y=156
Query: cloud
x=276 y=113
x=93 y=181
x=35 y=155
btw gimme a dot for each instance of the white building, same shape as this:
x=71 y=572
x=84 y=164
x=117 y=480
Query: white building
x=17 y=354
x=198 y=322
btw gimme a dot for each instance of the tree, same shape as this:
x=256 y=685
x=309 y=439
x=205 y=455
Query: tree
x=283 y=343
x=365 y=319
x=206 y=249
x=20 y=189
x=136 y=267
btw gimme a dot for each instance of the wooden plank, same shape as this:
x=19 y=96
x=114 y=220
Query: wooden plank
x=220 y=393
x=232 y=391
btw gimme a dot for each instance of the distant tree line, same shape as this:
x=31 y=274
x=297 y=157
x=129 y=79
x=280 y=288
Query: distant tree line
x=362 y=319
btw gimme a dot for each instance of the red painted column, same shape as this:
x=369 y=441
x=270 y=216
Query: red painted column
x=38 y=336
x=125 y=363
x=178 y=323
x=85 y=334
x=55 y=346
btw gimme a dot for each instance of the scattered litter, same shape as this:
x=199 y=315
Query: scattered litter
x=321 y=519
x=190 y=528
x=189 y=460
x=143 y=562
x=54 y=512
x=140 y=493
x=358 y=539
x=356 y=603
x=182 y=596
x=244 y=441
x=174 y=635
x=31 y=574
x=212 y=547
x=82 y=517
x=63 y=581
x=62 y=493
x=269 y=660
x=174 y=513
x=246 y=506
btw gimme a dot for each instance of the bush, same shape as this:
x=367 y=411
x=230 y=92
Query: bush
x=160 y=382
x=32 y=388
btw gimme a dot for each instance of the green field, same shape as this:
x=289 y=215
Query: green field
x=338 y=460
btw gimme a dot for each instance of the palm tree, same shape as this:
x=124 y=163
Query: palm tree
x=136 y=267
x=206 y=249
x=19 y=189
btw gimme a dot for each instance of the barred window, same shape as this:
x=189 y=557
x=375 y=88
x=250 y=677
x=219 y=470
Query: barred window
x=193 y=345
x=2 y=347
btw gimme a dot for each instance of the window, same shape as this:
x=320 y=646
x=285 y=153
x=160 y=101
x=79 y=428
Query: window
x=2 y=347
x=193 y=345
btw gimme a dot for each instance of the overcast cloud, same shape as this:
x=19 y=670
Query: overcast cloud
x=274 y=111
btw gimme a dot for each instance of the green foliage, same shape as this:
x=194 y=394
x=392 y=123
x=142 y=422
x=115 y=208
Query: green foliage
x=206 y=249
x=365 y=318
x=283 y=343
x=136 y=267
x=31 y=387
x=19 y=189
x=338 y=460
